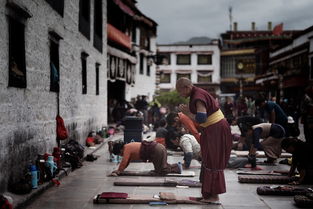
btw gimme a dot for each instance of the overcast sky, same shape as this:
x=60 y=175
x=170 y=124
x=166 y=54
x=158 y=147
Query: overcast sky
x=179 y=20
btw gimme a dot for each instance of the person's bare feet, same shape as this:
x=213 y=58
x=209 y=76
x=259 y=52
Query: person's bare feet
x=213 y=199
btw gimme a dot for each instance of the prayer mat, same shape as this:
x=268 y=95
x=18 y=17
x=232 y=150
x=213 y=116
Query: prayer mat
x=281 y=190
x=158 y=182
x=304 y=200
x=268 y=173
x=149 y=173
x=265 y=179
x=166 y=197
x=259 y=154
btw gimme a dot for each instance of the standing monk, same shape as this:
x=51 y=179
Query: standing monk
x=216 y=140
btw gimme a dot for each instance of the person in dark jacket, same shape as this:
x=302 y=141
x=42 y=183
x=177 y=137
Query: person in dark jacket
x=302 y=159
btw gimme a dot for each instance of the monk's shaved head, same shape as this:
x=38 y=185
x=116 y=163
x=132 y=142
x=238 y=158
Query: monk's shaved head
x=184 y=87
x=183 y=82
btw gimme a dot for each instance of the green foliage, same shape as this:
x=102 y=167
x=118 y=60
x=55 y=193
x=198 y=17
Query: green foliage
x=171 y=99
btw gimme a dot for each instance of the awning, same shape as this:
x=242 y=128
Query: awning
x=165 y=71
x=261 y=80
x=124 y=7
x=183 y=71
x=288 y=57
x=118 y=36
x=237 y=52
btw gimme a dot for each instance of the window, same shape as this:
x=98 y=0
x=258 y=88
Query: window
x=164 y=59
x=141 y=57
x=148 y=70
x=17 y=66
x=57 y=5
x=54 y=61
x=97 y=37
x=144 y=39
x=97 y=78
x=204 y=59
x=165 y=78
x=134 y=33
x=185 y=75
x=183 y=59
x=311 y=75
x=84 y=18
x=84 y=72
x=204 y=77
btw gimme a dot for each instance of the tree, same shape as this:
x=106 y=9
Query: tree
x=171 y=99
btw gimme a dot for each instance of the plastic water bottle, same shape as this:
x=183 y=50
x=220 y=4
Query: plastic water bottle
x=35 y=176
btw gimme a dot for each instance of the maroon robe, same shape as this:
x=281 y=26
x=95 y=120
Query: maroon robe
x=216 y=144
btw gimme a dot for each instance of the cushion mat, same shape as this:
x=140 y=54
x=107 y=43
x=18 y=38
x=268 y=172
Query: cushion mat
x=281 y=190
x=304 y=200
x=148 y=173
x=264 y=179
x=259 y=154
x=144 y=199
x=267 y=173
x=158 y=182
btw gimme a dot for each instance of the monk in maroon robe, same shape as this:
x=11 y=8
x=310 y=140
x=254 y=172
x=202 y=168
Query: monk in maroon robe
x=216 y=140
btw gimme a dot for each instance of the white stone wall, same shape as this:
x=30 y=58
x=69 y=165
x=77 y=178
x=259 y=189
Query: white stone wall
x=144 y=84
x=27 y=122
x=194 y=67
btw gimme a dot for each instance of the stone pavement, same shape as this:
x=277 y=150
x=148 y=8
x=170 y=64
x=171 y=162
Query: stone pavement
x=79 y=187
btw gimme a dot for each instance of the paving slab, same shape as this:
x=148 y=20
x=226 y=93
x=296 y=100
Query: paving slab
x=79 y=187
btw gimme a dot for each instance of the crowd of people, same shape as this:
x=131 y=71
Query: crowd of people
x=204 y=130
x=151 y=112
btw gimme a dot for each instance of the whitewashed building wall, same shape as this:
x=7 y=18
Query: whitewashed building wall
x=194 y=50
x=27 y=121
x=144 y=83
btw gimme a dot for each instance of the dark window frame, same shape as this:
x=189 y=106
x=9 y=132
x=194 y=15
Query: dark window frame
x=98 y=26
x=163 y=57
x=201 y=79
x=134 y=33
x=165 y=74
x=311 y=74
x=17 y=58
x=97 y=78
x=183 y=55
x=84 y=56
x=148 y=70
x=206 y=55
x=141 y=63
x=54 y=62
x=84 y=18
x=17 y=16
x=180 y=75
x=57 y=5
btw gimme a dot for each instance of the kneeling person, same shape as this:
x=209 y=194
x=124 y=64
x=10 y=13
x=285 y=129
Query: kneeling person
x=272 y=135
x=145 y=151
x=191 y=148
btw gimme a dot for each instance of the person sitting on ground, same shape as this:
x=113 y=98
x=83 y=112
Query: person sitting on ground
x=145 y=151
x=190 y=147
x=272 y=135
x=302 y=159
x=161 y=132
